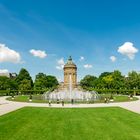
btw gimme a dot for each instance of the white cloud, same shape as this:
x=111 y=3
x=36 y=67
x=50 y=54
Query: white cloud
x=5 y=71
x=81 y=58
x=59 y=67
x=9 y=55
x=38 y=53
x=87 y=66
x=61 y=61
x=60 y=64
x=113 y=58
x=128 y=50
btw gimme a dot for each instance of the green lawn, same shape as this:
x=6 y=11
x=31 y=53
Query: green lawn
x=25 y=98
x=70 y=124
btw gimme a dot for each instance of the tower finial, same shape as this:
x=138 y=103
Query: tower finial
x=70 y=58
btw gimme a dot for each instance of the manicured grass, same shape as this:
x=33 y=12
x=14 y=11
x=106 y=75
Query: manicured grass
x=120 y=98
x=39 y=99
x=70 y=124
x=25 y=98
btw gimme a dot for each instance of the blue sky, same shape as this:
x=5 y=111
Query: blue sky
x=91 y=29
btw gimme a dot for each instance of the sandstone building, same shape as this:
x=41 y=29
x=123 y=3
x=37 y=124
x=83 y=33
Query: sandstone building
x=70 y=74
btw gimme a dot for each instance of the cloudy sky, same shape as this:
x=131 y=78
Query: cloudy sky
x=100 y=35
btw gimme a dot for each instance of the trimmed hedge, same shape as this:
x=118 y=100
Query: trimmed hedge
x=21 y=92
x=116 y=91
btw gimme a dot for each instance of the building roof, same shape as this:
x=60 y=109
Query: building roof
x=69 y=63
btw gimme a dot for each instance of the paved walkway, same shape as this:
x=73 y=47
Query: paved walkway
x=9 y=106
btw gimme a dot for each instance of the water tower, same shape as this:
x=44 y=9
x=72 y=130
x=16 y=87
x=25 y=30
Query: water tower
x=70 y=74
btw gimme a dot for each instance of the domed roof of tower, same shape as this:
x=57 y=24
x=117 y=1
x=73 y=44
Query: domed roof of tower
x=70 y=63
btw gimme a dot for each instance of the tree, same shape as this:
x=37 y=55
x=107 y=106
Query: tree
x=113 y=80
x=51 y=81
x=118 y=80
x=104 y=80
x=4 y=83
x=133 y=80
x=22 y=76
x=40 y=82
x=104 y=74
x=107 y=80
x=88 y=81
x=43 y=82
x=13 y=84
x=25 y=85
x=7 y=83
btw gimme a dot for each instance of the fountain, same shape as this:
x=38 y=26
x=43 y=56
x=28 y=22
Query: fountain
x=69 y=91
x=68 y=95
x=77 y=95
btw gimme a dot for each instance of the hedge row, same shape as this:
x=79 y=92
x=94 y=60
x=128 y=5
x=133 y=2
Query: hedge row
x=21 y=92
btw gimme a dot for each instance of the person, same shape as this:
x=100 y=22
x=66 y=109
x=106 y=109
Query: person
x=50 y=103
x=105 y=100
x=62 y=102
x=131 y=96
x=30 y=98
x=72 y=101
x=57 y=101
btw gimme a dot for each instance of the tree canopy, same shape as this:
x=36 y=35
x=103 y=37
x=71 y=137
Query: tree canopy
x=112 y=80
x=43 y=82
x=7 y=83
x=22 y=77
x=88 y=81
x=106 y=80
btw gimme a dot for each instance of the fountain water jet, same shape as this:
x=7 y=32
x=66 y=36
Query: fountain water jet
x=69 y=89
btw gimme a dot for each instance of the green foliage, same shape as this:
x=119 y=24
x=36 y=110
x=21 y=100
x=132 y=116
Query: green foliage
x=107 y=80
x=7 y=83
x=104 y=74
x=51 y=81
x=4 y=83
x=88 y=81
x=118 y=80
x=112 y=80
x=25 y=85
x=133 y=80
x=43 y=82
x=24 y=79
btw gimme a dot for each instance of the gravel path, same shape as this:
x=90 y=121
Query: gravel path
x=9 y=106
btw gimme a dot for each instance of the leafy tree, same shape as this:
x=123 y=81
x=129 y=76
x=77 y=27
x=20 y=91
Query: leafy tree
x=40 y=81
x=43 y=82
x=133 y=80
x=7 y=83
x=104 y=80
x=25 y=85
x=88 y=81
x=104 y=74
x=4 y=83
x=118 y=80
x=13 y=84
x=99 y=83
x=113 y=80
x=51 y=81
x=23 y=76
x=107 y=80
